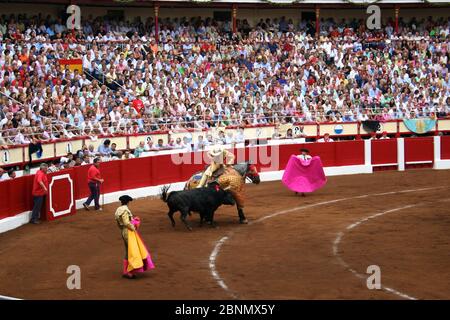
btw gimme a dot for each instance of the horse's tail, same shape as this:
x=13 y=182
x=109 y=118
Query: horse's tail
x=164 y=191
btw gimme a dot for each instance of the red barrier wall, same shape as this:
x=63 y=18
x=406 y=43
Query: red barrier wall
x=286 y=150
x=445 y=147
x=349 y=153
x=197 y=163
x=111 y=173
x=164 y=170
x=81 y=186
x=384 y=151
x=20 y=198
x=419 y=149
x=15 y=195
x=135 y=173
x=343 y=153
x=4 y=199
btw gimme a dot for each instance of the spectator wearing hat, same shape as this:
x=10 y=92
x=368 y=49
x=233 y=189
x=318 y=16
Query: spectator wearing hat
x=94 y=181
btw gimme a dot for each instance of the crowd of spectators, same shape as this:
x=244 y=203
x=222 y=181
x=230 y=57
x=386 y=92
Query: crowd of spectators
x=108 y=151
x=201 y=75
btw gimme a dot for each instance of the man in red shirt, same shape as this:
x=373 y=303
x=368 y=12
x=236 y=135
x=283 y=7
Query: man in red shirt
x=40 y=190
x=94 y=181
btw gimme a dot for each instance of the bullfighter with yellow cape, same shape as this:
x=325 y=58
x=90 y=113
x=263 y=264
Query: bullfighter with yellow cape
x=137 y=257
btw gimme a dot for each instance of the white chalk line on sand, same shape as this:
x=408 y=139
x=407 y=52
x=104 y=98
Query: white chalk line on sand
x=219 y=244
x=212 y=266
x=345 y=264
x=358 y=223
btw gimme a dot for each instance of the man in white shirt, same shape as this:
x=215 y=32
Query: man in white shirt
x=304 y=154
x=229 y=139
x=8 y=117
x=240 y=136
x=115 y=114
x=384 y=135
x=326 y=138
x=201 y=144
x=187 y=144
x=20 y=138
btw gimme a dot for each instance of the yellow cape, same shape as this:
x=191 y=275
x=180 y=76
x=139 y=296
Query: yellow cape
x=137 y=252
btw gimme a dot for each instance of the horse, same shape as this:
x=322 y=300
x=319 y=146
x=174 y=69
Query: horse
x=233 y=179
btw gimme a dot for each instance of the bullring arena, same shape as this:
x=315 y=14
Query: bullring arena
x=115 y=99
x=313 y=247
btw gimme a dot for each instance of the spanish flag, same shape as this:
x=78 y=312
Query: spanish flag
x=72 y=64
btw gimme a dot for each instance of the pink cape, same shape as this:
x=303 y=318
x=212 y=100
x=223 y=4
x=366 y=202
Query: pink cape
x=304 y=175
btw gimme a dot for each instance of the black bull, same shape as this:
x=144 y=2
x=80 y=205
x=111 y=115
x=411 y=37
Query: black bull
x=245 y=169
x=204 y=201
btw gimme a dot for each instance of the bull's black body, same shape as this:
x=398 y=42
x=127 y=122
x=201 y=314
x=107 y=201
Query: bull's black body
x=203 y=200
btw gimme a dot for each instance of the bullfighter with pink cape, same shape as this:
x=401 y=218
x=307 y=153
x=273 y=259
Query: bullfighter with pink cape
x=304 y=174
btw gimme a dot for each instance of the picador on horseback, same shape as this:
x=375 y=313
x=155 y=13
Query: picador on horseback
x=230 y=178
x=220 y=160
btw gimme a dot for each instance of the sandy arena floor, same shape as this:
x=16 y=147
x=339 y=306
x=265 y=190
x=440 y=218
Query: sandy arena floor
x=316 y=247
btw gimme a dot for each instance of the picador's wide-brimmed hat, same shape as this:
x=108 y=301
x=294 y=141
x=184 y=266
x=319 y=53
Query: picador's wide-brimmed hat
x=215 y=152
x=125 y=199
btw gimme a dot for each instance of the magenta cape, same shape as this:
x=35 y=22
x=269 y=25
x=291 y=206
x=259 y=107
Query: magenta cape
x=304 y=175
